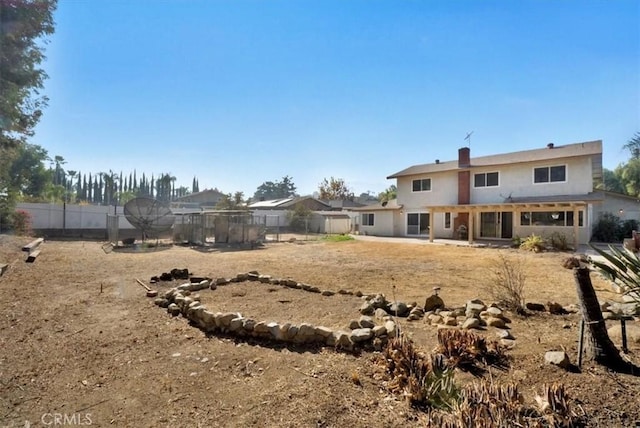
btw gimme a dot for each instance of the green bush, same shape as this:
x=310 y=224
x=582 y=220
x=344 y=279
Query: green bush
x=533 y=243
x=625 y=228
x=338 y=238
x=609 y=228
x=606 y=228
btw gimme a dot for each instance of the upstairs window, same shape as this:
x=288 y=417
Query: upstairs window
x=367 y=219
x=550 y=174
x=423 y=185
x=486 y=179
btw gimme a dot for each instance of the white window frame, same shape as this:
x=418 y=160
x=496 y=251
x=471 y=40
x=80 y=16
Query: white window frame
x=485 y=179
x=421 y=180
x=581 y=216
x=370 y=216
x=447 y=214
x=566 y=174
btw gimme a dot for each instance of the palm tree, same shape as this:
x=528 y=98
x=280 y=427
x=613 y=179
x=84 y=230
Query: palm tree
x=599 y=347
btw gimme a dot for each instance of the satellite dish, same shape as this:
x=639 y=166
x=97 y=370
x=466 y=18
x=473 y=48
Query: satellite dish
x=149 y=216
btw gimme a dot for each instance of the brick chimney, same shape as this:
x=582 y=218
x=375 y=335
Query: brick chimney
x=464 y=177
x=464 y=157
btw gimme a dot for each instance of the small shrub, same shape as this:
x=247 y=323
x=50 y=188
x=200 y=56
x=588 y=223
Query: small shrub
x=299 y=218
x=470 y=352
x=626 y=228
x=559 y=241
x=21 y=223
x=425 y=380
x=606 y=229
x=338 y=238
x=508 y=282
x=533 y=243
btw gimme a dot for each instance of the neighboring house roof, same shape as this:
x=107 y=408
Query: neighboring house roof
x=287 y=203
x=334 y=214
x=273 y=203
x=341 y=203
x=388 y=206
x=609 y=194
x=203 y=196
x=551 y=152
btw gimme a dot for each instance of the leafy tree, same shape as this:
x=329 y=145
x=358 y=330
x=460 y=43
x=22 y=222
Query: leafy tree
x=28 y=176
x=24 y=25
x=164 y=186
x=299 y=218
x=23 y=176
x=275 y=190
x=335 y=189
x=232 y=202
x=611 y=182
x=388 y=194
x=630 y=176
x=633 y=145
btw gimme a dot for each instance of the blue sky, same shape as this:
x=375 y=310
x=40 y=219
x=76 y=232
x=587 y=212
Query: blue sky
x=242 y=92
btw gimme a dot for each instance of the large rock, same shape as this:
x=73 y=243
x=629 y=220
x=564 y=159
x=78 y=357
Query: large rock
x=366 y=322
x=391 y=328
x=306 y=333
x=504 y=334
x=555 y=308
x=557 y=358
x=236 y=324
x=367 y=308
x=495 y=312
x=533 y=306
x=433 y=302
x=449 y=320
x=323 y=332
x=399 y=309
x=632 y=329
x=379 y=330
x=627 y=309
x=361 y=334
x=380 y=313
x=435 y=319
x=495 y=322
x=474 y=307
x=471 y=323
x=379 y=301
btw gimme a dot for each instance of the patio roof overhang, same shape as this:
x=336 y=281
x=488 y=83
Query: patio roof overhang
x=517 y=207
x=508 y=206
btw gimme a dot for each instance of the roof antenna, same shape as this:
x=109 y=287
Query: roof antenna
x=468 y=138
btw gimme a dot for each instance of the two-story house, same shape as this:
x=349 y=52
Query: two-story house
x=501 y=196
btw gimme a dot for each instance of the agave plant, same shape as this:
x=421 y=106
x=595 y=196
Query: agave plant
x=622 y=267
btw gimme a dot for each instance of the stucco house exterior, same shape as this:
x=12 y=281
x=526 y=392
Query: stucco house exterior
x=624 y=207
x=207 y=198
x=500 y=196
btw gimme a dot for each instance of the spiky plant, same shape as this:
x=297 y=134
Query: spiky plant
x=622 y=267
x=466 y=351
x=426 y=381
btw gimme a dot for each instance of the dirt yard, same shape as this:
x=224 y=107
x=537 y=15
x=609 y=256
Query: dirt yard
x=79 y=339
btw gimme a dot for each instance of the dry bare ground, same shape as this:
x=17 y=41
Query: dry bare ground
x=79 y=339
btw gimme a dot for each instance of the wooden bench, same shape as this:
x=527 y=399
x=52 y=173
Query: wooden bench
x=32 y=256
x=33 y=245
